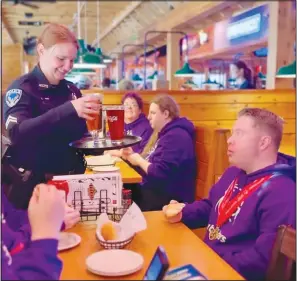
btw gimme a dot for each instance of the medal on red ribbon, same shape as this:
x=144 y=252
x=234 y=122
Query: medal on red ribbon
x=227 y=207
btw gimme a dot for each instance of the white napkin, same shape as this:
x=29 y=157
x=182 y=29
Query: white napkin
x=132 y=222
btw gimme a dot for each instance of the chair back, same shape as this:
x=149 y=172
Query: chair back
x=283 y=260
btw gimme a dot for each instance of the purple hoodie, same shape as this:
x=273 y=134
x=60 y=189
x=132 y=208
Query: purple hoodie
x=247 y=238
x=33 y=260
x=36 y=261
x=140 y=127
x=172 y=172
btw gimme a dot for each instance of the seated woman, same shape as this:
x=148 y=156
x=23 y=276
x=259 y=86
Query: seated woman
x=136 y=123
x=27 y=255
x=169 y=166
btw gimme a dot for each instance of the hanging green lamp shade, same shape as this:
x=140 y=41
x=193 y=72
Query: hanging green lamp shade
x=136 y=78
x=261 y=76
x=76 y=71
x=106 y=59
x=153 y=76
x=82 y=47
x=208 y=81
x=86 y=59
x=287 y=71
x=191 y=84
x=185 y=71
x=81 y=50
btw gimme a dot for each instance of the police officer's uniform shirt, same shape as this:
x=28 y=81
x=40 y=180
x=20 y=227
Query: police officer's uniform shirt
x=41 y=121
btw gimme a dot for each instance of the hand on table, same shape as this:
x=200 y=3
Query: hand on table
x=125 y=152
x=46 y=212
x=72 y=216
x=115 y=152
x=173 y=211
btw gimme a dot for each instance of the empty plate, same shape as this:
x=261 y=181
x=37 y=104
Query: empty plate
x=101 y=160
x=114 y=262
x=68 y=240
x=105 y=169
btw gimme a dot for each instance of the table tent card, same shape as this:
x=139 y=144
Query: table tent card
x=88 y=192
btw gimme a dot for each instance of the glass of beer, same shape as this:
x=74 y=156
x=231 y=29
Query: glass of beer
x=115 y=120
x=95 y=126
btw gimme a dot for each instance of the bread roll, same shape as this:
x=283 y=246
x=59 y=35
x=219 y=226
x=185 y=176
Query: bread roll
x=108 y=231
x=174 y=209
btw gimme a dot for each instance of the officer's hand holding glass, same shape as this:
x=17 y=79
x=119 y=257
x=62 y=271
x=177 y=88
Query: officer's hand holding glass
x=89 y=107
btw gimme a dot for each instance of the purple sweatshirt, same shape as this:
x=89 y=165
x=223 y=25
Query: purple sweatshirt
x=37 y=260
x=140 y=127
x=247 y=238
x=172 y=172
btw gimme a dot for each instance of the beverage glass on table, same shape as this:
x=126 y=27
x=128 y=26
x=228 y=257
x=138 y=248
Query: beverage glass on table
x=115 y=119
x=95 y=126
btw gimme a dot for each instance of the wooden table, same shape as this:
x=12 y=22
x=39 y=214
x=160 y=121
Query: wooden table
x=129 y=175
x=180 y=243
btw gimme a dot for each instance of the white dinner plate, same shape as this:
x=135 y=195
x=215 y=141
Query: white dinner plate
x=114 y=262
x=105 y=169
x=101 y=160
x=68 y=240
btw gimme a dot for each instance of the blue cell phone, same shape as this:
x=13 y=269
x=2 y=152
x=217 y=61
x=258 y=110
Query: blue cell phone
x=158 y=266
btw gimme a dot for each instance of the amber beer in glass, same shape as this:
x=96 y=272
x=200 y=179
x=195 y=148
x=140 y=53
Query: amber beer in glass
x=95 y=126
x=115 y=119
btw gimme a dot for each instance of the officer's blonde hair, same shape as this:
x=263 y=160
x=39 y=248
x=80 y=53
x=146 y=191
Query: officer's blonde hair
x=56 y=33
x=266 y=121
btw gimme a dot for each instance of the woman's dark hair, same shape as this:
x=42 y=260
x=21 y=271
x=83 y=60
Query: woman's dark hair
x=247 y=73
x=106 y=82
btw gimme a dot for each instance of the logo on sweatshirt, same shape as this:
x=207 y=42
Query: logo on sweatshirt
x=214 y=233
x=129 y=133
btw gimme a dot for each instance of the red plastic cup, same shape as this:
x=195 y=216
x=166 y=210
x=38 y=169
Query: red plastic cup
x=115 y=119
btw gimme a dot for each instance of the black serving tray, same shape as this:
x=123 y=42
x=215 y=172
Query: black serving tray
x=87 y=146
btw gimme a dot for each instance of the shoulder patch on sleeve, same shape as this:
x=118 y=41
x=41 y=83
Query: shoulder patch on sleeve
x=13 y=96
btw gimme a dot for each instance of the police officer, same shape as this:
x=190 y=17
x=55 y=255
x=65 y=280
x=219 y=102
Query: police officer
x=43 y=113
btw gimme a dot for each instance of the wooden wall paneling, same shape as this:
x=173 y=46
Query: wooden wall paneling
x=220 y=108
x=12 y=64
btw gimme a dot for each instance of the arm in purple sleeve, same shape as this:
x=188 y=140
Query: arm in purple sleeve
x=38 y=261
x=17 y=221
x=197 y=214
x=276 y=208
